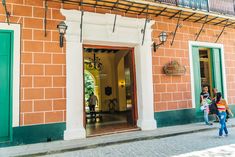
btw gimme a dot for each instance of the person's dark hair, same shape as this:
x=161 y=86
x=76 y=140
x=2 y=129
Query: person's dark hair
x=218 y=96
x=205 y=86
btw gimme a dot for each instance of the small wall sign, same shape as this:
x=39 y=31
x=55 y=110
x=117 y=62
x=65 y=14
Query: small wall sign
x=174 y=68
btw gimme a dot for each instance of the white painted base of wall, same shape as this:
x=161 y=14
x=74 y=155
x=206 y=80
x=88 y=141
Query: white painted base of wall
x=147 y=124
x=74 y=134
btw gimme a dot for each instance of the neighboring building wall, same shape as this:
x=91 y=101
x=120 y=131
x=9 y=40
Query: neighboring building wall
x=43 y=67
x=43 y=85
x=174 y=92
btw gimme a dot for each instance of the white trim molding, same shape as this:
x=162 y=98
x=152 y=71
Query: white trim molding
x=98 y=30
x=16 y=72
x=209 y=45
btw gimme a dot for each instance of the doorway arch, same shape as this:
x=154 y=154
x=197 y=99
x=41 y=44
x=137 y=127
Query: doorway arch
x=96 y=85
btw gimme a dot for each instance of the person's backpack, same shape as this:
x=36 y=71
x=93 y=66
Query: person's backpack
x=213 y=108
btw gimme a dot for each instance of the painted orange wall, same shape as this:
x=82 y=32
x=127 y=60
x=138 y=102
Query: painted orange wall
x=43 y=64
x=42 y=89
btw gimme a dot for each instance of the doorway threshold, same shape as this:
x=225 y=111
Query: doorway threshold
x=114 y=132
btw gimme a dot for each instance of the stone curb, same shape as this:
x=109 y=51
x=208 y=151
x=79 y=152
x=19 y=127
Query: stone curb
x=118 y=142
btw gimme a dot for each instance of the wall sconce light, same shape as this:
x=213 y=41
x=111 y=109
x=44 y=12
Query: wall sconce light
x=122 y=84
x=62 y=27
x=162 y=37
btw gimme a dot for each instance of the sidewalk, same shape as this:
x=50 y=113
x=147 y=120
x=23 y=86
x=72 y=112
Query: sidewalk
x=65 y=146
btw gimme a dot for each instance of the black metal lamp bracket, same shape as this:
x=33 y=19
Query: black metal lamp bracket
x=115 y=18
x=61 y=40
x=81 y=25
x=114 y=23
x=176 y=28
x=45 y=18
x=6 y=11
x=145 y=24
x=155 y=46
x=198 y=34
x=222 y=31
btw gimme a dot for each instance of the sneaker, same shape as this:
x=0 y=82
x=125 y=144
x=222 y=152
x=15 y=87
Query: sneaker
x=209 y=123
x=226 y=135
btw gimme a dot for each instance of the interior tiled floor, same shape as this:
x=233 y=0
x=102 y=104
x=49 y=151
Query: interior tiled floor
x=108 y=123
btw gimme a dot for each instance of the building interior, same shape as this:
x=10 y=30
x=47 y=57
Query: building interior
x=109 y=74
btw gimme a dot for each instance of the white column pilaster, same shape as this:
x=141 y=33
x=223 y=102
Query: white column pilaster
x=74 y=81
x=143 y=57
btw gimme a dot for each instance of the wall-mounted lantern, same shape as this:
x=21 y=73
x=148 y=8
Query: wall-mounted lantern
x=62 y=27
x=162 y=37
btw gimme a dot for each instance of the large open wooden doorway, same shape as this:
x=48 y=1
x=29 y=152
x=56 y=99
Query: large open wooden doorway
x=109 y=90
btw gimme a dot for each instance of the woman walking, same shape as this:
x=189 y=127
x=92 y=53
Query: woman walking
x=222 y=107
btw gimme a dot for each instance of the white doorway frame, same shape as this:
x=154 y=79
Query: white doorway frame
x=97 y=30
x=16 y=72
x=210 y=45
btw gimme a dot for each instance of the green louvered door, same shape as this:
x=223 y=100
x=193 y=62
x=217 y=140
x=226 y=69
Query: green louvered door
x=217 y=69
x=197 y=77
x=5 y=84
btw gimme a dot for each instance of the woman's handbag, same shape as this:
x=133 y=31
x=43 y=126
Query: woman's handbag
x=202 y=108
x=205 y=103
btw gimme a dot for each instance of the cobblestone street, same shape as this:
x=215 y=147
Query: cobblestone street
x=193 y=145
x=223 y=151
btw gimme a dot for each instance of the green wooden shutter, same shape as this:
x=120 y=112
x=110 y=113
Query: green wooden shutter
x=5 y=84
x=197 y=77
x=217 y=70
